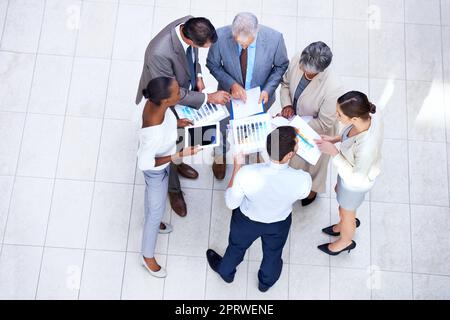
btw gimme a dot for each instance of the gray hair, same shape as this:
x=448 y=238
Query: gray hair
x=316 y=57
x=246 y=24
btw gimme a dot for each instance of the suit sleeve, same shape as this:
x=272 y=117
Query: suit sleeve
x=162 y=67
x=326 y=118
x=215 y=67
x=280 y=65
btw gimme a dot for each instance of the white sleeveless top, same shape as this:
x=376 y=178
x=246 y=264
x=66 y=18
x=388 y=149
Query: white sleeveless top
x=157 y=141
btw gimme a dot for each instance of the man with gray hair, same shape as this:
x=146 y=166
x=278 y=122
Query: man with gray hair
x=246 y=55
x=310 y=88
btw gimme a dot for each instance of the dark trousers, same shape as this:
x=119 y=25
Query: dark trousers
x=243 y=232
x=174 y=179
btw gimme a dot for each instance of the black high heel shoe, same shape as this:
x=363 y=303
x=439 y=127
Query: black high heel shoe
x=324 y=248
x=307 y=201
x=329 y=230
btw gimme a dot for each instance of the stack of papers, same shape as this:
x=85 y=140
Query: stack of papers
x=307 y=149
x=249 y=134
x=208 y=113
x=241 y=109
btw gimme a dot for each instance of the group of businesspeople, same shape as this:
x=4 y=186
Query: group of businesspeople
x=242 y=56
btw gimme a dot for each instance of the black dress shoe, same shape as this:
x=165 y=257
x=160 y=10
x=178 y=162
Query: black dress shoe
x=262 y=288
x=308 y=201
x=213 y=260
x=329 y=230
x=324 y=248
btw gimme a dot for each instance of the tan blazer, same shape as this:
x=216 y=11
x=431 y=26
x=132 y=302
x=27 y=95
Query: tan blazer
x=317 y=100
x=165 y=56
x=359 y=160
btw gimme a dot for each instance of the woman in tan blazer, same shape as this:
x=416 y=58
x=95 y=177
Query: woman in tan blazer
x=310 y=88
x=357 y=162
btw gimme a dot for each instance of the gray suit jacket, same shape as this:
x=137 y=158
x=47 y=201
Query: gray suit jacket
x=271 y=61
x=165 y=56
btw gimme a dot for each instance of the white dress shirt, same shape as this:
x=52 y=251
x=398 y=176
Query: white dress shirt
x=266 y=192
x=185 y=47
x=157 y=141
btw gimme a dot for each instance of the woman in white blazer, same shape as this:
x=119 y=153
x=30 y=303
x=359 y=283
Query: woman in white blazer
x=357 y=162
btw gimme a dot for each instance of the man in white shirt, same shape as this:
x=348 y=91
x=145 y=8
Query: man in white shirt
x=261 y=197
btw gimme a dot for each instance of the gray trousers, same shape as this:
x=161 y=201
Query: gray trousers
x=156 y=184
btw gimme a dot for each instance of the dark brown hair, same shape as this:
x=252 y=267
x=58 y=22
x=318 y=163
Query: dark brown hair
x=356 y=104
x=280 y=142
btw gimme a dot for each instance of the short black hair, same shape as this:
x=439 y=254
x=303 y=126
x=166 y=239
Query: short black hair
x=200 y=31
x=158 y=89
x=280 y=142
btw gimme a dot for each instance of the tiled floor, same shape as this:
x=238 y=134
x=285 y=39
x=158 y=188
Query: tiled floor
x=71 y=199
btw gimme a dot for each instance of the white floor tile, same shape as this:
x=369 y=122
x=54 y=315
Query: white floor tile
x=102 y=275
x=19 y=272
x=6 y=186
x=309 y=282
x=350 y=284
x=350 y=39
x=311 y=30
x=28 y=215
x=288 y=7
x=119 y=142
x=11 y=128
x=122 y=89
x=206 y=5
x=137 y=224
x=423 y=52
x=306 y=234
x=386 y=11
x=446 y=52
x=23 y=25
x=316 y=9
x=391 y=286
x=360 y=256
x=173 y=3
x=96 y=33
x=445 y=12
x=196 y=223
x=3 y=9
x=88 y=88
x=140 y=2
x=60 y=274
x=279 y=291
x=191 y=271
x=389 y=96
x=426 y=115
x=79 y=148
x=110 y=214
x=392 y=185
x=165 y=15
x=138 y=284
x=202 y=162
x=351 y=9
x=51 y=84
x=428 y=178
x=69 y=215
x=429 y=287
x=217 y=289
x=16 y=73
x=220 y=223
x=430 y=239
x=254 y=6
x=40 y=146
x=391 y=239
x=60 y=27
x=135 y=20
x=387 y=43
x=423 y=12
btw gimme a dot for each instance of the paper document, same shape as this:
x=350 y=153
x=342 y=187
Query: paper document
x=208 y=113
x=250 y=134
x=251 y=107
x=307 y=148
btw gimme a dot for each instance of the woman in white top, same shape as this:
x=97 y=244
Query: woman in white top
x=157 y=148
x=357 y=163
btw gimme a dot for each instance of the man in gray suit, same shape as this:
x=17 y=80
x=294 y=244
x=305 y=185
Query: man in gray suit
x=247 y=55
x=173 y=52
